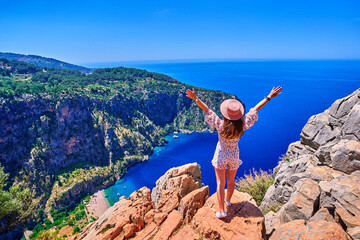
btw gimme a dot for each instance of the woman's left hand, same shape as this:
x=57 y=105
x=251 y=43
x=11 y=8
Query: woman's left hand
x=275 y=92
x=191 y=94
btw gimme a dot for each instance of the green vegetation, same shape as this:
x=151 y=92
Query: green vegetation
x=74 y=217
x=16 y=203
x=256 y=184
x=17 y=78
x=43 y=62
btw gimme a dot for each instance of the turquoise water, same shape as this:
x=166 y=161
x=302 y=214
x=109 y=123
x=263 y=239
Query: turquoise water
x=309 y=87
x=177 y=152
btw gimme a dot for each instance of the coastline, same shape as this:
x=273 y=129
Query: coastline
x=137 y=176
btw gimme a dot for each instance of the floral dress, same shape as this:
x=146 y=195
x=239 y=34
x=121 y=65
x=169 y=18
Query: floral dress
x=227 y=150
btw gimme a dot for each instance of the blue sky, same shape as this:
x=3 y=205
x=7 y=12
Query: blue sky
x=106 y=31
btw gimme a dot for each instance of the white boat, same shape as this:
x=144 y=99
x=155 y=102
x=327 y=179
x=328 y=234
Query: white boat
x=175 y=136
x=176 y=132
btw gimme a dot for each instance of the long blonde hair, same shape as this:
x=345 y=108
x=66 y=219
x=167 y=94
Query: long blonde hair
x=232 y=128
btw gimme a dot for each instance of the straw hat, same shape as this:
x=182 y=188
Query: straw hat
x=232 y=109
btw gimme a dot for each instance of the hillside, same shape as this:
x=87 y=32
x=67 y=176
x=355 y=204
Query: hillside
x=44 y=62
x=65 y=134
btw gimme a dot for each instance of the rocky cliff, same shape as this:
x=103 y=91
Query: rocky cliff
x=316 y=194
x=319 y=178
x=179 y=207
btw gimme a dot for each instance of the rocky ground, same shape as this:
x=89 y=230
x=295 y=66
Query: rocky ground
x=179 y=207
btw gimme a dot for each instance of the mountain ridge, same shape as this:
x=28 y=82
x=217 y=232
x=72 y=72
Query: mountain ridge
x=44 y=61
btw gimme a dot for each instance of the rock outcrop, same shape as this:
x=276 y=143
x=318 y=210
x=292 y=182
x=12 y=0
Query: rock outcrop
x=179 y=207
x=319 y=184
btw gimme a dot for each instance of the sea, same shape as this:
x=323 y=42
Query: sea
x=309 y=87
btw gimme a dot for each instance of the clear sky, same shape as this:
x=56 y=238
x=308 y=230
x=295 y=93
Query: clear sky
x=104 y=31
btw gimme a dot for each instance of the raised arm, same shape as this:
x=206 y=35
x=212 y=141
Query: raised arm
x=192 y=95
x=274 y=92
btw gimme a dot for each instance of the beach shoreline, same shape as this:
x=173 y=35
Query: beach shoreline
x=97 y=204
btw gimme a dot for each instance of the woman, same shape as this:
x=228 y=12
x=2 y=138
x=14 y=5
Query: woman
x=230 y=129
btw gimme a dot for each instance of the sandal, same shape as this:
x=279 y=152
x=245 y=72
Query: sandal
x=221 y=214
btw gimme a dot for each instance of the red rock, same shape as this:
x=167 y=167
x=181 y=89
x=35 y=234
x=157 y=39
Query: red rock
x=173 y=222
x=149 y=216
x=130 y=229
x=147 y=232
x=137 y=219
x=244 y=220
x=169 y=201
x=159 y=218
x=185 y=233
x=122 y=219
x=315 y=230
x=192 y=202
x=181 y=180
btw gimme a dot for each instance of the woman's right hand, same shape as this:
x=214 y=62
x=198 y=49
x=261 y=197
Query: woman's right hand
x=275 y=92
x=191 y=94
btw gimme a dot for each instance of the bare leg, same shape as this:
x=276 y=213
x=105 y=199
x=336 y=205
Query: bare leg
x=230 y=177
x=220 y=190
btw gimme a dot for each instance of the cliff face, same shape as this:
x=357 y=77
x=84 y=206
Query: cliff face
x=45 y=139
x=319 y=179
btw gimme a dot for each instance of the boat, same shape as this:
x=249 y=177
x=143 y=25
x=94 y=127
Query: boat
x=106 y=196
x=175 y=136
x=176 y=132
x=124 y=186
x=118 y=194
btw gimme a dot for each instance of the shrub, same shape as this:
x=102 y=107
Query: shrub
x=76 y=230
x=255 y=184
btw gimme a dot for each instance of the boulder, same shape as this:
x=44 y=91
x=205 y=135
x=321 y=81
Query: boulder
x=318 y=131
x=345 y=156
x=343 y=193
x=303 y=203
x=322 y=214
x=288 y=173
x=244 y=219
x=182 y=180
x=316 y=230
x=192 y=202
x=159 y=218
x=272 y=221
x=351 y=127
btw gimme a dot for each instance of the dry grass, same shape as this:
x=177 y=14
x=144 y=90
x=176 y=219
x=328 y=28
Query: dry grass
x=255 y=183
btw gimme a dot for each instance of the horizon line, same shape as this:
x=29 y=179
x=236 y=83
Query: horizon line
x=184 y=60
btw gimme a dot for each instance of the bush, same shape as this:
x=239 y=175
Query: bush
x=76 y=230
x=255 y=184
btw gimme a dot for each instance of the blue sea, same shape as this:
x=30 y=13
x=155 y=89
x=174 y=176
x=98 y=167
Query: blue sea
x=309 y=87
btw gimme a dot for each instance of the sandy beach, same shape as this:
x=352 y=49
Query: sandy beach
x=97 y=204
